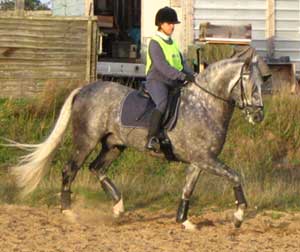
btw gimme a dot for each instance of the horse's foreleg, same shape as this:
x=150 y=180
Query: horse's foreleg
x=99 y=167
x=241 y=204
x=218 y=168
x=192 y=176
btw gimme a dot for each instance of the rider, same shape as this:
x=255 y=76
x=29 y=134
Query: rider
x=165 y=69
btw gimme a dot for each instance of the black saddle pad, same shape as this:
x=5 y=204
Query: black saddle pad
x=136 y=110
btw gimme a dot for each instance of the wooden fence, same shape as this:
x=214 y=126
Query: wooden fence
x=38 y=50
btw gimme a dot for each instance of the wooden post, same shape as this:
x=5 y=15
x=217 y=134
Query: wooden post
x=294 y=84
x=19 y=7
x=89 y=8
x=94 y=59
x=270 y=26
x=89 y=50
x=188 y=22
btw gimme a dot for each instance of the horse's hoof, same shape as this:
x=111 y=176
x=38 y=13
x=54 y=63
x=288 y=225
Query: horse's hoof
x=237 y=223
x=118 y=209
x=238 y=217
x=70 y=215
x=189 y=225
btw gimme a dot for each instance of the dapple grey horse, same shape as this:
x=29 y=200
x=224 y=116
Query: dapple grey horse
x=198 y=138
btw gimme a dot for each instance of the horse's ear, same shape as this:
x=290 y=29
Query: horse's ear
x=236 y=77
x=250 y=60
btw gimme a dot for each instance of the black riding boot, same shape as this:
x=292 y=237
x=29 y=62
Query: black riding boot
x=152 y=139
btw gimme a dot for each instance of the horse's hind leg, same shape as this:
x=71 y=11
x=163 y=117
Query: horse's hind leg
x=82 y=148
x=99 y=166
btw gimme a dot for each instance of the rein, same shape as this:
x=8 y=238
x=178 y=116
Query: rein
x=223 y=99
x=212 y=94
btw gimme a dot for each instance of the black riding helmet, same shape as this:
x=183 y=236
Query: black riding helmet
x=167 y=15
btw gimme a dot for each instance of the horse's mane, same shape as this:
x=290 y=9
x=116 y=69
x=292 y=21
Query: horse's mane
x=211 y=70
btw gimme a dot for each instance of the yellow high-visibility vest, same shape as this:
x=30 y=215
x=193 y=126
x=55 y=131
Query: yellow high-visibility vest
x=171 y=52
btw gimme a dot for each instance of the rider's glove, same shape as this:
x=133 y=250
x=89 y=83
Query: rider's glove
x=189 y=78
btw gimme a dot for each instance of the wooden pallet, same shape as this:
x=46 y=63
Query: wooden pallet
x=225 y=34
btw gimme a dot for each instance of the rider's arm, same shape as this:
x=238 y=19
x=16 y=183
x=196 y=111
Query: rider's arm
x=186 y=69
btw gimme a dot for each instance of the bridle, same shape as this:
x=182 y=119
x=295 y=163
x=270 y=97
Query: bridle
x=245 y=105
x=243 y=95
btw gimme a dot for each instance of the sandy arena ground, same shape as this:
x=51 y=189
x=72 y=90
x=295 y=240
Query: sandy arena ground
x=28 y=229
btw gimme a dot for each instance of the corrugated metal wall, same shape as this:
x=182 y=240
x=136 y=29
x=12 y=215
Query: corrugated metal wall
x=240 y=12
x=234 y=12
x=287 y=30
x=38 y=50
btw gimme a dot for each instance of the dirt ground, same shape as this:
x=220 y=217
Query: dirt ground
x=28 y=229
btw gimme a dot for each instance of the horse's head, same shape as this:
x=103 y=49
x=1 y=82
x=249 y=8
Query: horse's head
x=235 y=82
x=247 y=91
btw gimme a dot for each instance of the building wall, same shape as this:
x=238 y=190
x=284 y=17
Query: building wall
x=183 y=32
x=36 y=51
x=287 y=30
x=234 y=12
x=68 y=7
x=149 y=9
x=240 y=12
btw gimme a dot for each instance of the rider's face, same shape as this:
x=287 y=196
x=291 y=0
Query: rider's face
x=167 y=28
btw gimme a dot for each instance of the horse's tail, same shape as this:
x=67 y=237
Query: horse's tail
x=33 y=167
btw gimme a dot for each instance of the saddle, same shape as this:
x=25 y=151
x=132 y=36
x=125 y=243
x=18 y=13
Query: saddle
x=137 y=107
x=136 y=110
